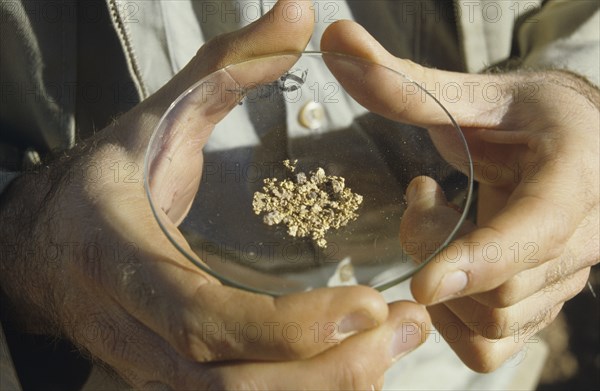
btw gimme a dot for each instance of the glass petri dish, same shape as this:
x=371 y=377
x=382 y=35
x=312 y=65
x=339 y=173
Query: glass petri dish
x=219 y=141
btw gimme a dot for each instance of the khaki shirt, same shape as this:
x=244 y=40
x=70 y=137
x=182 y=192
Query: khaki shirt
x=49 y=49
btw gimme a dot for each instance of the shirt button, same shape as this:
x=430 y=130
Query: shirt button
x=312 y=115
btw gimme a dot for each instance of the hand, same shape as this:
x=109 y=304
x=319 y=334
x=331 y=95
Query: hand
x=122 y=292
x=538 y=219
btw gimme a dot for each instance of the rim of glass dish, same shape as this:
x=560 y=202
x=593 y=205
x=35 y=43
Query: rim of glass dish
x=380 y=287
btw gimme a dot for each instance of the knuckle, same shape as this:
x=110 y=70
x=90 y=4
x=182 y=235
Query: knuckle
x=185 y=339
x=205 y=341
x=217 y=50
x=545 y=317
x=132 y=287
x=557 y=271
x=488 y=322
x=498 y=324
x=483 y=358
x=485 y=364
x=538 y=322
x=506 y=294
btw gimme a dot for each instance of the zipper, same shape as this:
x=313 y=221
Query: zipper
x=129 y=52
x=460 y=35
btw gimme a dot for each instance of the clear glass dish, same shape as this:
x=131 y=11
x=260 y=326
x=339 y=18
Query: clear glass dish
x=219 y=141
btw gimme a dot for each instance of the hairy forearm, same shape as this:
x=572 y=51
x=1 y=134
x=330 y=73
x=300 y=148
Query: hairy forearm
x=25 y=274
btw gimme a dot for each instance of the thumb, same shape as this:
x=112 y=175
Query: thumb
x=429 y=221
x=175 y=157
x=287 y=27
x=404 y=98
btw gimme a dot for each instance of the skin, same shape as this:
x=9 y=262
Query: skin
x=141 y=308
x=127 y=297
x=544 y=233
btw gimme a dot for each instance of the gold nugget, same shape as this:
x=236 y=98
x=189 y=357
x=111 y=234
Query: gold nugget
x=309 y=205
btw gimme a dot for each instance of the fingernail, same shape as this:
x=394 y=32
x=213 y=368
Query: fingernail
x=452 y=284
x=411 y=192
x=420 y=188
x=406 y=338
x=356 y=321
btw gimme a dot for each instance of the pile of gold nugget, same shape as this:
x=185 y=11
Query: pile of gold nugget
x=309 y=205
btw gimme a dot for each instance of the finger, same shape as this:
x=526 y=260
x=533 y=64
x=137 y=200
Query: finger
x=429 y=219
x=190 y=309
x=531 y=230
x=356 y=364
x=540 y=216
x=475 y=351
x=427 y=224
x=223 y=323
x=206 y=321
x=533 y=227
x=580 y=252
x=399 y=98
x=147 y=362
x=175 y=162
x=273 y=33
x=527 y=283
x=426 y=206
x=534 y=312
x=467 y=332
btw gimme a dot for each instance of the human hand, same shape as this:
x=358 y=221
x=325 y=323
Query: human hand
x=534 y=142
x=123 y=293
